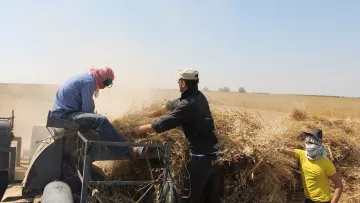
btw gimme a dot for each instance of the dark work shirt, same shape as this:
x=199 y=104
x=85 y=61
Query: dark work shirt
x=192 y=112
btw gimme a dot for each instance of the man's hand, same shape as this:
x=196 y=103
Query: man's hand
x=149 y=114
x=138 y=131
x=156 y=113
x=289 y=152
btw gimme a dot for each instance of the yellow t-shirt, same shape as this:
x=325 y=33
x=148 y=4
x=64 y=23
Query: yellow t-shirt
x=315 y=176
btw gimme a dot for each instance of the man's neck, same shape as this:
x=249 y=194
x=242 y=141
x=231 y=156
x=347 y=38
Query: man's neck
x=190 y=91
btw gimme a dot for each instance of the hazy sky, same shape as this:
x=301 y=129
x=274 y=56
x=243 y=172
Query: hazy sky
x=303 y=47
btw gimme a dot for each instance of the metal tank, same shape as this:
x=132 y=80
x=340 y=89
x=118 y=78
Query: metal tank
x=57 y=192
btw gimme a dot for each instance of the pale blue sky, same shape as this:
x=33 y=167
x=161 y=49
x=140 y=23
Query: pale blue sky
x=288 y=46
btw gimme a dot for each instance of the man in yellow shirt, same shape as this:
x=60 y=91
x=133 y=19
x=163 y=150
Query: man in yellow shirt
x=316 y=169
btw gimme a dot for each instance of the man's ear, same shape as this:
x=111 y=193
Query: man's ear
x=183 y=83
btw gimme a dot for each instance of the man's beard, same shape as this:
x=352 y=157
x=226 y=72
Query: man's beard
x=181 y=89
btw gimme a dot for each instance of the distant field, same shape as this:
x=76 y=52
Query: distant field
x=326 y=106
x=32 y=102
x=120 y=98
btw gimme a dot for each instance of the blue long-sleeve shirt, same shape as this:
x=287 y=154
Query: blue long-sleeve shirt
x=75 y=95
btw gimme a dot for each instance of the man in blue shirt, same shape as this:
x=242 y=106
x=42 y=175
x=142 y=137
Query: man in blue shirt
x=74 y=101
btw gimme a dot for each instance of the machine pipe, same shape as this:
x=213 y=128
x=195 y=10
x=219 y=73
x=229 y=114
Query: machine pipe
x=130 y=144
x=121 y=144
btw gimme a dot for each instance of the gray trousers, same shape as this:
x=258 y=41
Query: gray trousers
x=102 y=125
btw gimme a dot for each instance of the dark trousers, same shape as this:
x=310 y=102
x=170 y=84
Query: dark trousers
x=310 y=201
x=100 y=123
x=206 y=181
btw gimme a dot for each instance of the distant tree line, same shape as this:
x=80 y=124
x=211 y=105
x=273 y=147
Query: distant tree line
x=242 y=90
x=226 y=89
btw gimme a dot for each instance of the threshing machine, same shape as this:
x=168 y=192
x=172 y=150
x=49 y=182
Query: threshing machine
x=62 y=169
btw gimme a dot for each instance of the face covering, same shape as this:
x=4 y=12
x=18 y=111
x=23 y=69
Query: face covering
x=314 y=148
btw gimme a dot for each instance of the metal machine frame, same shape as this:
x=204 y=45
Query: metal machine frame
x=15 y=152
x=88 y=159
x=92 y=153
x=11 y=169
x=18 y=150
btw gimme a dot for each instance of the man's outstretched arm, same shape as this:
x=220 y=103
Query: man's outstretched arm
x=338 y=187
x=289 y=152
x=181 y=114
x=158 y=112
x=143 y=130
x=169 y=106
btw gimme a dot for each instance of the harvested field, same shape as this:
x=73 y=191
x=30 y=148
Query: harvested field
x=31 y=103
x=255 y=171
x=336 y=107
x=253 y=124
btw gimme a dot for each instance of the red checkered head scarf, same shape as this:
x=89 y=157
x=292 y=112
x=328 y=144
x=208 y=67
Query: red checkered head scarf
x=100 y=74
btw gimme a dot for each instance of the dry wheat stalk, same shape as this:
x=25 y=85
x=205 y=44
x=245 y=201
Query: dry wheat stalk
x=255 y=171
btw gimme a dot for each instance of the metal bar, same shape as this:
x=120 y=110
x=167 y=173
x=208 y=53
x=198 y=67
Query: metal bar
x=80 y=176
x=85 y=182
x=120 y=144
x=12 y=120
x=167 y=160
x=108 y=157
x=18 y=150
x=12 y=164
x=126 y=144
x=7 y=149
x=82 y=137
x=111 y=183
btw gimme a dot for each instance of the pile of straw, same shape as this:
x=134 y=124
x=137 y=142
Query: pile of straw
x=255 y=170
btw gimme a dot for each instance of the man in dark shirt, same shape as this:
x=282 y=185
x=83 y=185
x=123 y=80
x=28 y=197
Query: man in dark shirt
x=192 y=112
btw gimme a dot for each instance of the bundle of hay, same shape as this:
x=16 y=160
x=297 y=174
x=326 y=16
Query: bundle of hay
x=255 y=170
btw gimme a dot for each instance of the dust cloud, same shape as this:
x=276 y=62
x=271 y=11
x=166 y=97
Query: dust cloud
x=31 y=103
